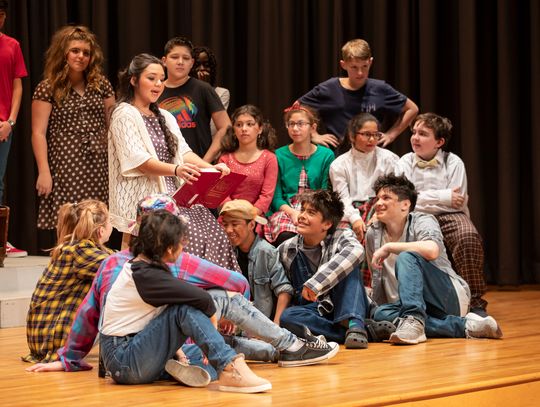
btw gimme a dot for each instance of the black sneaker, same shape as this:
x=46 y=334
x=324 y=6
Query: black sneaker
x=310 y=353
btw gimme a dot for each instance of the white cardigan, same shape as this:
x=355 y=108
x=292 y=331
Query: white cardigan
x=129 y=147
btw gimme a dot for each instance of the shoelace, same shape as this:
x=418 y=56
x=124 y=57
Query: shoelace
x=406 y=322
x=317 y=344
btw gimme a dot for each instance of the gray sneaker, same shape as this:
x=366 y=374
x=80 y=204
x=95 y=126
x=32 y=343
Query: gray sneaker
x=410 y=331
x=190 y=375
x=478 y=327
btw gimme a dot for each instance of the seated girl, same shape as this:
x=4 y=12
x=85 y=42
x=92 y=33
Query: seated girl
x=82 y=230
x=353 y=173
x=248 y=149
x=302 y=165
x=147 y=155
x=149 y=313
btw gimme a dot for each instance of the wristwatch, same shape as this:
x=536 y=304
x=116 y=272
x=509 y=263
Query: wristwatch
x=11 y=123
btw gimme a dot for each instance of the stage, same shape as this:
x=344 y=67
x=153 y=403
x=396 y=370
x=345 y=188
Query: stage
x=441 y=372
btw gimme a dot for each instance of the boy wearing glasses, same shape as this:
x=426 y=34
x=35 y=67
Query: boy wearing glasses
x=413 y=280
x=338 y=99
x=441 y=182
x=192 y=102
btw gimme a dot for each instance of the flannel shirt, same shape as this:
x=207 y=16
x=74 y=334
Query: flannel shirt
x=84 y=330
x=341 y=252
x=57 y=295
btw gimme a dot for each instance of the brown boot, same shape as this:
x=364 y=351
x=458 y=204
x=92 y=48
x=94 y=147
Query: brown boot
x=238 y=378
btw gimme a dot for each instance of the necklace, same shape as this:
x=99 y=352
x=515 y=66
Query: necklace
x=145 y=111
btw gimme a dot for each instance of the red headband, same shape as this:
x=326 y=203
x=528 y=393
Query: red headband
x=297 y=106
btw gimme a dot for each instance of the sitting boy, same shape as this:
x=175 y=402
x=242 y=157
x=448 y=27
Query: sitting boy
x=259 y=261
x=413 y=280
x=441 y=182
x=322 y=263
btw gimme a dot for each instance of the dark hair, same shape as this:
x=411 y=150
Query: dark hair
x=212 y=64
x=126 y=92
x=178 y=42
x=441 y=126
x=267 y=140
x=159 y=231
x=353 y=127
x=4 y=5
x=327 y=202
x=399 y=185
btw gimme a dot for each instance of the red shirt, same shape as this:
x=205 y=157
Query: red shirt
x=11 y=67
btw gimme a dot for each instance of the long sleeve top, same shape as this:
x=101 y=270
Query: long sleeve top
x=189 y=268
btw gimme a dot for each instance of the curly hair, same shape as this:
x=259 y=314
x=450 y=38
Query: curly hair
x=399 y=185
x=327 y=202
x=126 y=92
x=212 y=64
x=56 y=68
x=267 y=140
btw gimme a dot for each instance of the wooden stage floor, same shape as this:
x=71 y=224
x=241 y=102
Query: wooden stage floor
x=441 y=372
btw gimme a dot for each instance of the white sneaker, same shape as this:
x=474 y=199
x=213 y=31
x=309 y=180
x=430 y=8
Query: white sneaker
x=481 y=327
x=238 y=378
x=410 y=331
x=190 y=375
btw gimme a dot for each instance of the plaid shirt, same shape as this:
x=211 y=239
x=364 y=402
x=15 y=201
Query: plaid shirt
x=57 y=295
x=341 y=252
x=188 y=267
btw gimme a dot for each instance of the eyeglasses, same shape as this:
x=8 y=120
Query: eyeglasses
x=300 y=124
x=377 y=135
x=77 y=51
x=240 y=125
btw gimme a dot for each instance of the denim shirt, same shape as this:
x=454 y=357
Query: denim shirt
x=419 y=227
x=266 y=276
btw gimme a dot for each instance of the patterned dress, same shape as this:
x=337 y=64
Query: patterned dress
x=76 y=149
x=57 y=296
x=207 y=239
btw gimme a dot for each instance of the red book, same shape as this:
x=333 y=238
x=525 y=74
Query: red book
x=209 y=190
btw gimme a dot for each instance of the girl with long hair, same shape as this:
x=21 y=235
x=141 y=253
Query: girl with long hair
x=69 y=124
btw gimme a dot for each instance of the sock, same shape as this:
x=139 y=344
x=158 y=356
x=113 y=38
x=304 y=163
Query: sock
x=295 y=346
x=356 y=323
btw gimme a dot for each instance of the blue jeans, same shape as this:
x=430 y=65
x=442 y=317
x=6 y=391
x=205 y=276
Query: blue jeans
x=348 y=297
x=249 y=319
x=426 y=293
x=4 y=152
x=141 y=358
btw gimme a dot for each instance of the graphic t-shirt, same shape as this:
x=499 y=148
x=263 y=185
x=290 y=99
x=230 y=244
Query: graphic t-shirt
x=192 y=104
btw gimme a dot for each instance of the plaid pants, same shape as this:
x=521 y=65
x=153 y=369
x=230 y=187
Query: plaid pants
x=464 y=245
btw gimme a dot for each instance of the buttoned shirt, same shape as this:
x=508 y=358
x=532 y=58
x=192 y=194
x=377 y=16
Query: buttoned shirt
x=435 y=184
x=353 y=174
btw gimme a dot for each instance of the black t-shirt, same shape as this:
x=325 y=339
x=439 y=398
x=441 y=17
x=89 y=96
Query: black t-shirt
x=243 y=262
x=192 y=104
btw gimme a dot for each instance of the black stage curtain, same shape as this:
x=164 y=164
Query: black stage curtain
x=476 y=62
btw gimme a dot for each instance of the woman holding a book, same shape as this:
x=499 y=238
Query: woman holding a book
x=147 y=154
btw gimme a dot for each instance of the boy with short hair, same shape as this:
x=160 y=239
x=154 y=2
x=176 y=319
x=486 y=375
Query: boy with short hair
x=271 y=290
x=413 y=280
x=322 y=263
x=12 y=69
x=194 y=103
x=338 y=100
x=441 y=182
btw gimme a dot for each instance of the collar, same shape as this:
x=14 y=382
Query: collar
x=362 y=156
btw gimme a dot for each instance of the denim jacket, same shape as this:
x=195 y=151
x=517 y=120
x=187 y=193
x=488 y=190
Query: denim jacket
x=266 y=275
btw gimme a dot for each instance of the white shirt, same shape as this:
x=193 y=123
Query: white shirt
x=353 y=174
x=435 y=184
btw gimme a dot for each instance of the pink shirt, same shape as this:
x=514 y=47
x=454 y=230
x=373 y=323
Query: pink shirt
x=258 y=187
x=11 y=67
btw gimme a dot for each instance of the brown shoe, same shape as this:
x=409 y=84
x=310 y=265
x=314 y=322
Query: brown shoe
x=238 y=378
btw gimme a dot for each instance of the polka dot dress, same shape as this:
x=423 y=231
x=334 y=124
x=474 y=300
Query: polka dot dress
x=206 y=237
x=76 y=149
